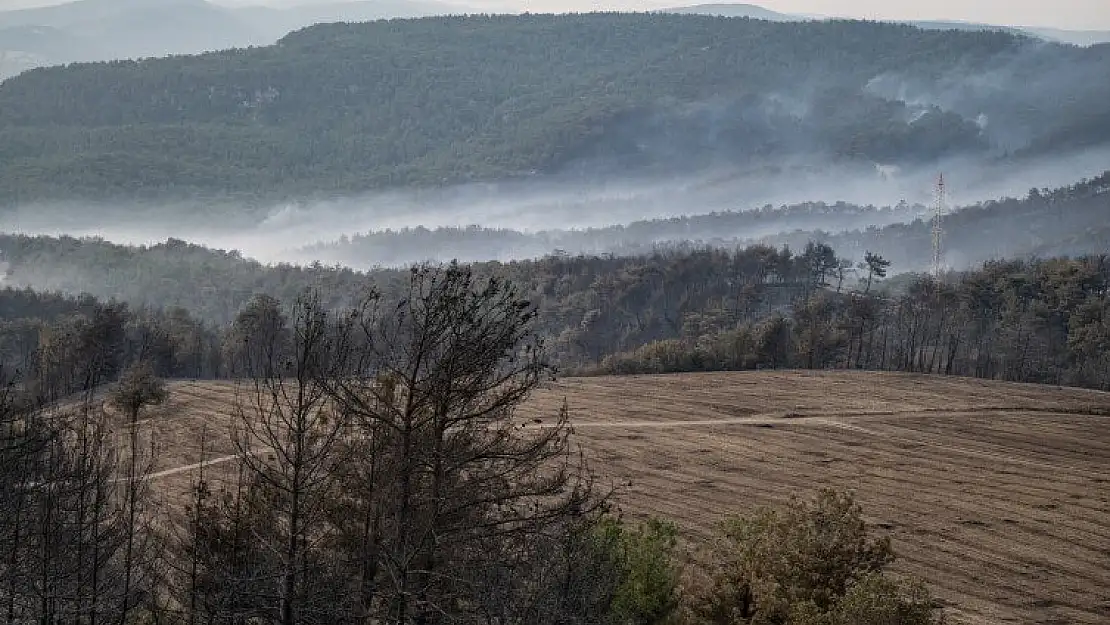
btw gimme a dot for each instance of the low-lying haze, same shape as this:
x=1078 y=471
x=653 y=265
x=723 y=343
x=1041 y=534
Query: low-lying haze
x=547 y=204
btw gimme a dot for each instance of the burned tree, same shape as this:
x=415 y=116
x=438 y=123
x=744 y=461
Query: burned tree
x=287 y=437
x=459 y=492
x=62 y=529
x=384 y=473
x=138 y=387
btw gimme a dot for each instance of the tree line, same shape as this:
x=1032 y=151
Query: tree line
x=1042 y=321
x=1066 y=221
x=679 y=308
x=473 y=243
x=383 y=476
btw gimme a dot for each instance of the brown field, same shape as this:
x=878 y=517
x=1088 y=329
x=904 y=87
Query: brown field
x=998 y=495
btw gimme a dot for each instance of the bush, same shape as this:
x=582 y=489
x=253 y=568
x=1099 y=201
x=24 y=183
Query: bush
x=643 y=577
x=809 y=564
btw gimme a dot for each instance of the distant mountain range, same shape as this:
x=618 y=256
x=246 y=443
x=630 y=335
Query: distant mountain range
x=100 y=30
x=1074 y=37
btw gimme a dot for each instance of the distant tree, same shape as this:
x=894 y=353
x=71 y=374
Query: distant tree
x=774 y=342
x=843 y=268
x=820 y=264
x=137 y=388
x=876 y=267
x=817 y=334
x=257 y=345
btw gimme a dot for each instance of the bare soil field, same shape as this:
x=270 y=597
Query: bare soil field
x=997 y=494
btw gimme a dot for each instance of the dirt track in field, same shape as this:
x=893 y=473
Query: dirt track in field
x=997 y=494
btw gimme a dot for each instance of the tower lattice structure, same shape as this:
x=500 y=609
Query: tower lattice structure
x=939 y=209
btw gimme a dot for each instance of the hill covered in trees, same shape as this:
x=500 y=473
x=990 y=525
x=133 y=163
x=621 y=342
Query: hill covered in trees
x=396 y=247
x=335 y=109
x=1067 y=221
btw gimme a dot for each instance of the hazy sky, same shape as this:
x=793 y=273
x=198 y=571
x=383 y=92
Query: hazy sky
x=1077 y=14
x=1074 y=14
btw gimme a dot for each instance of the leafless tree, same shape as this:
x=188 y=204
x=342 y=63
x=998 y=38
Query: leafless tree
x=61 y=525
x=138 y=387
x=21 y=441
x=287 y=438
x=459 y=482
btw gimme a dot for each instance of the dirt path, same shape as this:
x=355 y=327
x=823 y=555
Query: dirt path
x=185 y=469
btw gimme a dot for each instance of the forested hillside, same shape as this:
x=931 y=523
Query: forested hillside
x=720 y=229
x=340 y=108
x=1069 y=220
x=671 y=310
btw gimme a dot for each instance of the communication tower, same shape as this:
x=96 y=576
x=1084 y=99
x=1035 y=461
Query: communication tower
x=939 y=209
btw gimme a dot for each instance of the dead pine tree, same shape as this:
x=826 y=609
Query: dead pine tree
x=287 y=437
x=138 y=387
x=223 y=573
x=22 y=439
x=200 y=496
x=184 y=545
x=462 y=493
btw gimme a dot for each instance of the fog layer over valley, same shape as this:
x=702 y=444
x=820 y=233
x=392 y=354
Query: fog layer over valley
x=535 y=217
x=540 y=123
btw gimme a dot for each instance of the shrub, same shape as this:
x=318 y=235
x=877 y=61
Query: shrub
x=808 y=564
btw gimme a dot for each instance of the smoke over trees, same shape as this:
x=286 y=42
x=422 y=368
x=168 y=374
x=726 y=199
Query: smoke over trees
x=230 y=125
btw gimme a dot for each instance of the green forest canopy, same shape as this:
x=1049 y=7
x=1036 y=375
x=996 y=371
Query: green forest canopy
x=339 y=108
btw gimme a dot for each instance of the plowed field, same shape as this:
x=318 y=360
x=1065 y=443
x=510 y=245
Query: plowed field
x=998 y=495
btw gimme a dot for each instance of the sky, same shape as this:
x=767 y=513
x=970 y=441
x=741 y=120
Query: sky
x=1070 y=14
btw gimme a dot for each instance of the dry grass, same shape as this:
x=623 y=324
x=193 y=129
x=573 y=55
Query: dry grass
x=997 y=494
